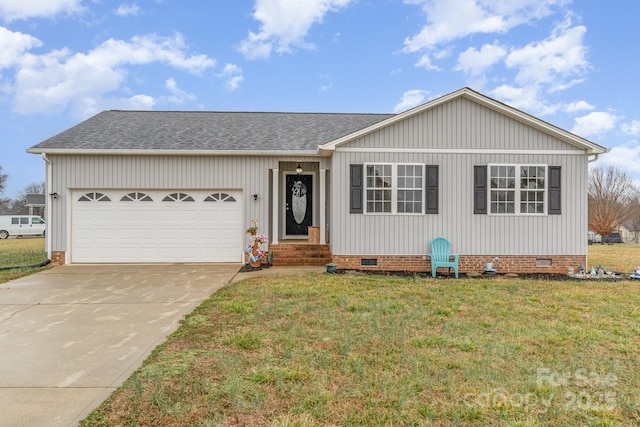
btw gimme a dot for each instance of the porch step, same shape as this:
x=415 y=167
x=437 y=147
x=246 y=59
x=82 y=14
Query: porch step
x=300 y=254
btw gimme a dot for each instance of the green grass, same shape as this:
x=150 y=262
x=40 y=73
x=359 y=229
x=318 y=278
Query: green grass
x=354 y=350
x=20 y=252
x=620 y=257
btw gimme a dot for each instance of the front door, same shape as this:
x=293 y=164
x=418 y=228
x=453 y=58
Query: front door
x=298 y=196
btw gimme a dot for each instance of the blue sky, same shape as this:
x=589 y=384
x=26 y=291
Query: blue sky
x=572 y=63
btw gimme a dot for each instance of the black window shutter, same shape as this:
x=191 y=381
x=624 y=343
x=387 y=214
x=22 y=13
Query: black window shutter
x=431 y=188
x=479 y=189
x=357 y=190
x=554 y=190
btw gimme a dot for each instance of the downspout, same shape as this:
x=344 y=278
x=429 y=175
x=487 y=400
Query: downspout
x=48 y=202
x=593 y=159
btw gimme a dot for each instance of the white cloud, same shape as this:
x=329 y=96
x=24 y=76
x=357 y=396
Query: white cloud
x=327 y=84
x=410 y=99
x=285 y=23
x=425 y=62
x=13 y=45
x=594 y=123
x=449 y=20
x=128 y=10
x=234 y=76
x=625 y=156
x=179 y=96
x=61 y=79
x=632 y=128
x=575 y=107
x=526 y=98
x=11 y=10
x=560 y=56
x=151 y=48
x=89 y=106
x=475 y=62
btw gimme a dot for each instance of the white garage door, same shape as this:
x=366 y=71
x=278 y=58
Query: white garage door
x=156 y=226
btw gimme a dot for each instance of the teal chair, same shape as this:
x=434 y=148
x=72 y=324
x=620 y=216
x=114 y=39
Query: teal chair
x=441 y=256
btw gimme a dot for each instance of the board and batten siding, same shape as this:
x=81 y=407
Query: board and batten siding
x=470 y=234
x=460 y=124
x=252 y=175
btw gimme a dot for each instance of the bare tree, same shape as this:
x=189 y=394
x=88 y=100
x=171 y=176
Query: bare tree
x=4 y=202
x=633 y=224
x=19 y=205
x=610 y=194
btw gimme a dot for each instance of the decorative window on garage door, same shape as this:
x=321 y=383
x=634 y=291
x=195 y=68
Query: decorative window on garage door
x=133 y=197
x=219 y=197
x=94 y=197
x=178 y=197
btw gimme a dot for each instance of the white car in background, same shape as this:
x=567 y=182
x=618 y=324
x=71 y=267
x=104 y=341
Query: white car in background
x=21 y=225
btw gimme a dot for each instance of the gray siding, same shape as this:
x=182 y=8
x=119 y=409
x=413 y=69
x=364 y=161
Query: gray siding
x=458 y=124
x=250 y=174
x=457 y=132
x=470 y=234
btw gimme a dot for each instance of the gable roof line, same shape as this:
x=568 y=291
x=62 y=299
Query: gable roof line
x=468 y=93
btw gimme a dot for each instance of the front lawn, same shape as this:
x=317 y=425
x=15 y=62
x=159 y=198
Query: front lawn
x=20 y=252
x=355 y=350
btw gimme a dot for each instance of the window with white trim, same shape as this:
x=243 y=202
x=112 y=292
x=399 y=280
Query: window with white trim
x=394 y=188
x=517 y=189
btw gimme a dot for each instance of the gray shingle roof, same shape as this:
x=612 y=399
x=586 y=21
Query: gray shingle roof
x=217 y=131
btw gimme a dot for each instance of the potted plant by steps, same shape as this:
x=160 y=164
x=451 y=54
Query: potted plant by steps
x=255 y=253
x=331 y=267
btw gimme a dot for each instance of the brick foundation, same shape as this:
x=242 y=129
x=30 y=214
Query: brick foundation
x=554 y=264
x=57 y=257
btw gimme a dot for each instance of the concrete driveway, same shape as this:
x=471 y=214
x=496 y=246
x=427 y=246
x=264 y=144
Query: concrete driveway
x=71 y=335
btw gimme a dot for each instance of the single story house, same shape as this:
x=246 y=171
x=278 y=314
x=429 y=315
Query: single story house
x=375 y=189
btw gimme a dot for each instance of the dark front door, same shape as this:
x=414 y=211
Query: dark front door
x=299 y=195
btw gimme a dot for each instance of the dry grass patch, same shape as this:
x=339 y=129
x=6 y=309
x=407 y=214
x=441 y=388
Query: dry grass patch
x=354 y=350
x=619 y=257
x=20 y=252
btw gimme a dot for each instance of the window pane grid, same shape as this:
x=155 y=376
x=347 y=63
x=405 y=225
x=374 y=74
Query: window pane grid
x=530 y=192
x=379 y=201
x=394 y=188
x=409 y=201
x=379 y=176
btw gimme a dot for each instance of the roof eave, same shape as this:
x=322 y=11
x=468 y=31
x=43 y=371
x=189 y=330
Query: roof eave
x=564 y=135
x=140 y=152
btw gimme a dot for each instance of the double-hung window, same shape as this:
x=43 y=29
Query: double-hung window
x=517 y=189
x=394 y=188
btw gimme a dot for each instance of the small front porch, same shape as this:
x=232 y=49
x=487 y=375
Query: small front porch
x=298 y=218
x=300 y=253
x=298 y=198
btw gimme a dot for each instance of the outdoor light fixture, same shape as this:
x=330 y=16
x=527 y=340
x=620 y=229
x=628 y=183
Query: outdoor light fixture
x=54 y=195
x=298 y=169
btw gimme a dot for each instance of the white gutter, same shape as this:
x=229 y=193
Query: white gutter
x=48 y=203
x=594 y=158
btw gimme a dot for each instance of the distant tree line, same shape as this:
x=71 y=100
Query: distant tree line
x=19 y=205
